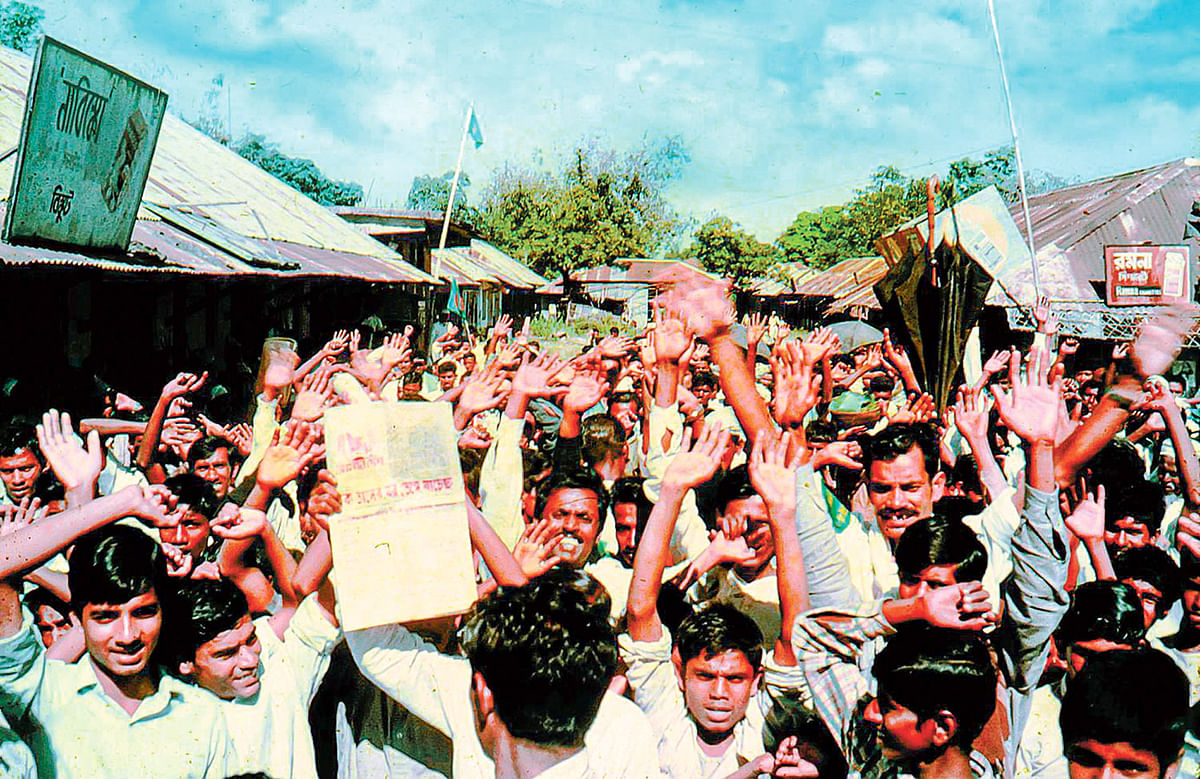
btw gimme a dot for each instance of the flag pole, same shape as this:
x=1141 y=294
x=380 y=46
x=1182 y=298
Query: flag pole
x=462 y=145
x=1012 y=126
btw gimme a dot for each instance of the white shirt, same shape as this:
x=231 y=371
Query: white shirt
x=176 y=732
x=270 y=731
x=437 y=688
x=651 y=674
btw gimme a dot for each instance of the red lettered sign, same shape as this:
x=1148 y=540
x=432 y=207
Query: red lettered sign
x=1147 y=275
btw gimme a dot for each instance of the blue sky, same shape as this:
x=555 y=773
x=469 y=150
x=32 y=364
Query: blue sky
x=783 y=106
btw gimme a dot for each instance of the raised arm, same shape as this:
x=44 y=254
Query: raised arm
x=77 y=468
x=971 y=419
x=689 y=469
x=181 y=385
x=335 y=346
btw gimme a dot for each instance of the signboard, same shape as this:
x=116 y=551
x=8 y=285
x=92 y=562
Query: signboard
x=401 y=547
x=86 y=143
x=1147 y=275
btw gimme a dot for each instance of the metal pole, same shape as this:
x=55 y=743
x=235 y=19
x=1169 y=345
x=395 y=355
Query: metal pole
x=462 y=145
x=1012 y=125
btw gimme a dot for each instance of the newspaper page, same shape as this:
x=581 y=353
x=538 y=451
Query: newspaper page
x=401 y=548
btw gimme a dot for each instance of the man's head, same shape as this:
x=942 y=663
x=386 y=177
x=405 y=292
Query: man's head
x=881 y=387
x=1089 y=395
x=198 y=505
x=447 y=373
x=841 y=367
x=1133 y=515
x=1103 y=616
x=542 y=656
x=938 y=552
x=788 y=716
x=704 y=387
x=1125 y=715
x=937 y=689
x=900 y=469
x=574 y=502
x=626 y=408
x=410 y=385
x=1154 y=576
x=1189 y=579
x=631 y=511
x=214 y=643
x=736 y=497
x=210 y=459
x=116 y=576
x=604 y=444
x=469 y=362
x=20 y=463
x=51 y=614
x=718 y=666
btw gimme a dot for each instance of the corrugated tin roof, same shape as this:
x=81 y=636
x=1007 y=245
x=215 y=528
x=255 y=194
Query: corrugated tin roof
x=207 y=210
x=483 y=263
x=846 y=277
x=1150 y=205
x=603 y=283
x=793 y=275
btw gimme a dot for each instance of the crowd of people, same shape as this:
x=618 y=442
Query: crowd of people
x=696 y=556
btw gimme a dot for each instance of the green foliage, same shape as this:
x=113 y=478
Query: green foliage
x=20 y=25
x=724 y=248
x=298 y=173
x=817 y=238
x=547 y=327
x=431 y=193
x=598 y=205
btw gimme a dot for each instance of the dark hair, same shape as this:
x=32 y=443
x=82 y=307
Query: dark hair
x=200 y=610
x=471 y=462
x=929 y=670
x=1102 y=610
x=207 y=446
x=413 y=377
x=966 y=473
x=842 y=359
x=195 y=493
x=703 y=379
x=941 y=541
x=821 y=431
x=573 y=479
x=602 y=437
x=40 y=596
x=533 y=468
x=1114 y=464
x=1141 y=500
x=113 y=565
x=734 y=485
x=789 y=717
x=547 y=654
x=14 y=438
x=718 y=628
x=897 y=440
x=1137 y=697
x=884 y=383
x=1155 y=567
x=630 y=489
x=625 y=397
x=446 y=366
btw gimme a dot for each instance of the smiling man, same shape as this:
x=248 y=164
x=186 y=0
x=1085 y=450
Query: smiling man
x=112 y=712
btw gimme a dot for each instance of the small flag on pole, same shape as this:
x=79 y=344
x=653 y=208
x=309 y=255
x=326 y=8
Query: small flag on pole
x=454 y=302
x=474 y=131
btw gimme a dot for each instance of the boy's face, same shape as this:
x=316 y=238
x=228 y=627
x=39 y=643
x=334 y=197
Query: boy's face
x=932 y=578
x=717 y=689
x=1127 y=533
x=190 y=535
x=227 y=665
x=900 y=731
x=51 y=624
x=1092 y=759
x=1151 y=598
x=121 y=637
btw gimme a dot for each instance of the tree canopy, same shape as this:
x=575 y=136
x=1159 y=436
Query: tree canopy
x=432 y=193
x=300 y=174
x=595 y=206
x=724 y=248
x=20 y=25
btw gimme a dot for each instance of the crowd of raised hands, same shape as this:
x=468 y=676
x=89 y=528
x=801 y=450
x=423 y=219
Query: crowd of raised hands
x=701 y=470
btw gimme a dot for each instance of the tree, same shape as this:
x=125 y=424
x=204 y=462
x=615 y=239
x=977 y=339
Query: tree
x=817 y=238
x=431 y=193
x=598 y=205
x=300 y=174
x=20 y=25
x=724 y=248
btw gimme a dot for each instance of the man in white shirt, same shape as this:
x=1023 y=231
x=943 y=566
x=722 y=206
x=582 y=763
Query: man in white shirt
x=266 y=671
x=112 y=713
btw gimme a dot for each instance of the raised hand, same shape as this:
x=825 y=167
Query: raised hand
x=503 y=326
x=179 y=432
x=324 y=501
x=1159 y=340
x=962 y=606
x=1068 y=346
x=1121 y=351
x=772 y=475
x=670 y=337
x=919 y=409
x=242 y=437
x=895 y=354
x=394 y=350
x=971 y=413
x=1187 y=533
x=293 y=447
x=1031 y=408
x=819 y=344
x=721 y=550
x=797 y=385
x=997 y=362
x=14 y=518
x=353 y=341
x=482 y=391
x=697 y=460
x=756 y=327
x=179 y=564
x=183 y=384
x=1087 y=520
x=337 y=344
x=614 y=346
x=586 y=390
x=74 y=465
x=846 y=454
x=316 y=392
x=240 y=525
x=1046 y=322
x=536 y=549
x=533 y=377
x=702 y=302
x=157 y=506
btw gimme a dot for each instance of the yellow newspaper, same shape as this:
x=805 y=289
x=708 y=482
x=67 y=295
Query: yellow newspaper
x=401 y=548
